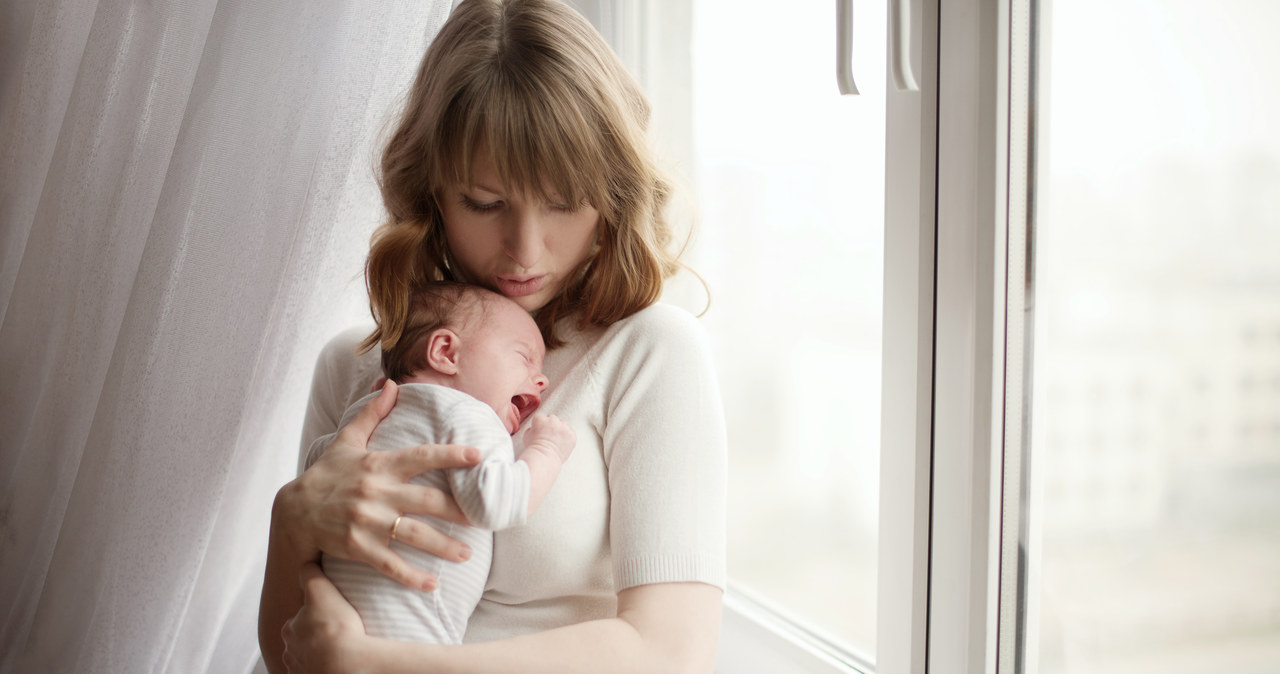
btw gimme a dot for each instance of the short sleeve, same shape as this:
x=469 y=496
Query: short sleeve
x=665 y=447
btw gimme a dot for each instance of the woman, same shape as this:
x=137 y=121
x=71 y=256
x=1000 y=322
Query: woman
x=521 y=164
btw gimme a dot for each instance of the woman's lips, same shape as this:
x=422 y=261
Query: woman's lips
x=519 y=286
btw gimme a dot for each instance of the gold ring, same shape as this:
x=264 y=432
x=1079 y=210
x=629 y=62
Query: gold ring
x=394 y=525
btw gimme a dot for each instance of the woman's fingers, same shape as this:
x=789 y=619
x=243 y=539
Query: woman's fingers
x=420 y=500
x=317 y=589
x=406 y=463
x=394 y=567
x=427 y=538
x=345 y=504
x=291 y=663
x=375 y=411
x=322 y=634
x=324 y=604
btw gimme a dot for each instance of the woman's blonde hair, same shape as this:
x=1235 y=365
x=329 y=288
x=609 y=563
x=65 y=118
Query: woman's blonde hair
x=532 y=83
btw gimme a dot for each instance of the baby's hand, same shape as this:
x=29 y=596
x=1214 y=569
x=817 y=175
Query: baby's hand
x=548 y=432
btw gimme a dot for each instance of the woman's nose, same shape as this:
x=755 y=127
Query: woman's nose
x=524 y=238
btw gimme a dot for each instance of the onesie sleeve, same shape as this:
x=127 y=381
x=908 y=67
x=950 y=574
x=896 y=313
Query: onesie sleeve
x=665 y=448
x=493 y=494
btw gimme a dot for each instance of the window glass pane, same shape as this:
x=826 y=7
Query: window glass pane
x=790 y=181
x=1156 y=402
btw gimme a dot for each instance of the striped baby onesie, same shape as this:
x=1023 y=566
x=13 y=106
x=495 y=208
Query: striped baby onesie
x=494 y=495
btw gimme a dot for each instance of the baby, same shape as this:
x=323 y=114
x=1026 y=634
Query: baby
x=470 y=368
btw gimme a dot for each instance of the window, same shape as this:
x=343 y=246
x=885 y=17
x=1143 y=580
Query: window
x=945 y=204
x=1155 y=502
x=790 y=184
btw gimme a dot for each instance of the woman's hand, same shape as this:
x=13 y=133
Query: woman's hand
x=325 y=634
x=346 y=504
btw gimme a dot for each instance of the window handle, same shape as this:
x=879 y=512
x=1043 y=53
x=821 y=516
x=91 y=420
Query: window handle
x=900 y=16
x=844 y=48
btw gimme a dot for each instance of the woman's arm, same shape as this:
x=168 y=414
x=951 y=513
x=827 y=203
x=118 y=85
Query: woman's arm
x=665 y=628
x=664 y=443
x=345 y=505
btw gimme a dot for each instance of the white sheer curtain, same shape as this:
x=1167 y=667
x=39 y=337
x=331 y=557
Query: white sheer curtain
x=185 y=203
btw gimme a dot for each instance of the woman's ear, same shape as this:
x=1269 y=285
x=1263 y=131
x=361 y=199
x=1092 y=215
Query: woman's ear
x=442 y=351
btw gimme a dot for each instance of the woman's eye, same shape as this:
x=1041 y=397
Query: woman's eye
x=479 y=207
x=567 y=208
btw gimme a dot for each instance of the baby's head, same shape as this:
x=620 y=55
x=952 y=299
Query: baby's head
x=473 y=340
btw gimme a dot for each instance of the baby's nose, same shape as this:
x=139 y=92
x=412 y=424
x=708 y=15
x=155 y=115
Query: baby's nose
x=540 y=381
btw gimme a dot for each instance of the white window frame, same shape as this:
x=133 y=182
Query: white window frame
x=982 y=224
x=983 y=195
x=956 y=203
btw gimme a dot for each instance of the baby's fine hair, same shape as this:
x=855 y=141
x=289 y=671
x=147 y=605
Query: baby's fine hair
x=532 y=84
x=443 y=304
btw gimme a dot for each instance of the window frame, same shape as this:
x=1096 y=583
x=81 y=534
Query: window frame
x=985 y=159
x=956 y=203
x=907 y=396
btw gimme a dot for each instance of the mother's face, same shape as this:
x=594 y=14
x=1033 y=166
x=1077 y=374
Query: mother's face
x=513 y=242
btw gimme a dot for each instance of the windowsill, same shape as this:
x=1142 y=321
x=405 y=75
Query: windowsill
x=756 y=638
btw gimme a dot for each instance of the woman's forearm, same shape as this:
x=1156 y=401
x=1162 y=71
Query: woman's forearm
x=281 y=594
x=669 y=628
x=610 y=645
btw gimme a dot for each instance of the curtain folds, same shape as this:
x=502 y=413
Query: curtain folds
x=186 y=196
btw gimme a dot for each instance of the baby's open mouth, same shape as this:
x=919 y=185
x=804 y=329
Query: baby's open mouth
x=525 y=404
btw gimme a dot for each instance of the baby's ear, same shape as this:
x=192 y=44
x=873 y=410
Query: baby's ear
x=442 y=351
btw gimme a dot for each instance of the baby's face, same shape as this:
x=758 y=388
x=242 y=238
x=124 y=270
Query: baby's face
x=500 y=362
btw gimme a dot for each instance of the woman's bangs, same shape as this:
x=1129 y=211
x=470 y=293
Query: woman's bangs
x=542 y=146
